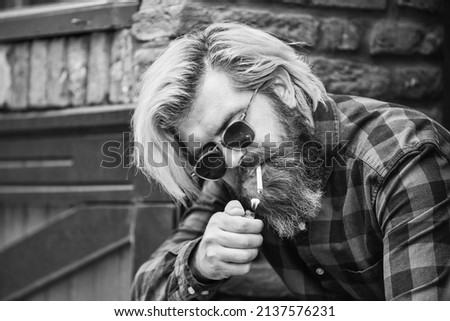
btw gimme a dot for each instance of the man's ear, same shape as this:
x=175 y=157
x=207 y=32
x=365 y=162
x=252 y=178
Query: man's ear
x=283 y=87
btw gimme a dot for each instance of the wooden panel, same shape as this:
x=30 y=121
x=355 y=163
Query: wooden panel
x=60 y=160
x=108 y=278
x=63 y=246
x=154 y=223
x=90 y=118
x=18 y=220
x=60 y=155
x=82 y=284
x=106 y=274
x=12 y=228
x=59 y=291
x=126 y=274
x=50 y=20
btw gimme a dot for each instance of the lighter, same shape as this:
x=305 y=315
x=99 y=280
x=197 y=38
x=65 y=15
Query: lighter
x=254 y=202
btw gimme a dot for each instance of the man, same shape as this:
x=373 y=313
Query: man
x=355 y=201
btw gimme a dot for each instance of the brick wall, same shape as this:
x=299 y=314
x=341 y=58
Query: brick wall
x=385 y=49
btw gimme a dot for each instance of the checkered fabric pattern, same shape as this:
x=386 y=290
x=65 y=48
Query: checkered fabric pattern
x=383 y=231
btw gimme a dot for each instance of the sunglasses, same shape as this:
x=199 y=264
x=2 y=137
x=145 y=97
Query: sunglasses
x=239 y=134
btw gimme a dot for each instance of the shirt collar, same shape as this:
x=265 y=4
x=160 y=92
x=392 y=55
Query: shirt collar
x=327 y=128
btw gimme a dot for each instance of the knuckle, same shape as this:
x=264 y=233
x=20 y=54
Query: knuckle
x=210 y=254
x=244 y=226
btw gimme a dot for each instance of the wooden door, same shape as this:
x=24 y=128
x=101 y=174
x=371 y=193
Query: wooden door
x=72 y=227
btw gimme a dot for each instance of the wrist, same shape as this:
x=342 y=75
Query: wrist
x=193 y=265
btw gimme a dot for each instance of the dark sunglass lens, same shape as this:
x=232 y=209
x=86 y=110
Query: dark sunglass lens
x=211 y=165
x=238 y=135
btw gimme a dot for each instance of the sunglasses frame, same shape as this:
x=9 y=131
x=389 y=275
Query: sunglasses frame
x=222 y=141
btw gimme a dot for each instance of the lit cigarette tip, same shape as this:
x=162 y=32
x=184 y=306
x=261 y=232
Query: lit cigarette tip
x=254 y=202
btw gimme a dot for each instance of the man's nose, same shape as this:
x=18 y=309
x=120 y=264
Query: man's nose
x=232 y=157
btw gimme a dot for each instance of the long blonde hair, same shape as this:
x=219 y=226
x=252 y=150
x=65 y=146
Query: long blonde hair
x=248 y=56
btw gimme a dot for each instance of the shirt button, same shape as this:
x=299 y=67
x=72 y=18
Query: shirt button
x=191 y=290
x=320 y=271
x=204 y=292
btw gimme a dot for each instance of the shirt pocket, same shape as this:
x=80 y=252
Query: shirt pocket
x=366 y=284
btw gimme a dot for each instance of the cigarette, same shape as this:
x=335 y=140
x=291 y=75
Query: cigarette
x=254 y=202
x=259 y=182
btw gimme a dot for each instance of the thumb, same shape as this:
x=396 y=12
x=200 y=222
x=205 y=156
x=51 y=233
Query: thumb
x=234 y=208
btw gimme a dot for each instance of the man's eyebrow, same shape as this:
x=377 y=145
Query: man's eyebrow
x=227 y=119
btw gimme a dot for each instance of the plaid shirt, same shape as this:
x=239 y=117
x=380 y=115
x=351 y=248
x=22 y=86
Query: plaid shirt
x=383 y=231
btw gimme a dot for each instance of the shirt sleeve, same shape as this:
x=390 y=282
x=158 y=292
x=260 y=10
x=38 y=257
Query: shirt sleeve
x=166 y=275
x=413 y=209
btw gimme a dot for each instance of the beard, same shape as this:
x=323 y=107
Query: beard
x=292 y=182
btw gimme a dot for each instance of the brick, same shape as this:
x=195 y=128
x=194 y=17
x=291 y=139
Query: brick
x=169 y=20
x=345 y=77
x=150 y=4
x=20 y=73
x=98 y=68
x=38 y=73
x=360 y=4
x=121 y=69
x=296 y=27
x=402 y=38
x=77 y=58
x=432 y=42
x=428 y=5
x=57 y=76
x=417 y=82
x=5 y=74
x=339 y=34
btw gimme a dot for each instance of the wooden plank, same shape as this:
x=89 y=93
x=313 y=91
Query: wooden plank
x=106 y=277
x=59 y=290
x=20 y=67
x=125 y=274
x=38 y=296
x=2 y=225
x=71 y=194
x=77 y=59
x=98 y=68
x=82 y=117
x=38 y=73
x=63 y=160
x=52 y=20
x=14 y=224
x=82 y=284
x=67 y=241
x=37 y=217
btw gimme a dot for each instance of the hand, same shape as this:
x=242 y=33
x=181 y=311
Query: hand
x=229 y=245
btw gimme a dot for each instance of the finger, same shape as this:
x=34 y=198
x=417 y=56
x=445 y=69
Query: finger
x=238 y=224
x=233 y=269
x=239 y=256
x=234 y=208
x=240 y=241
